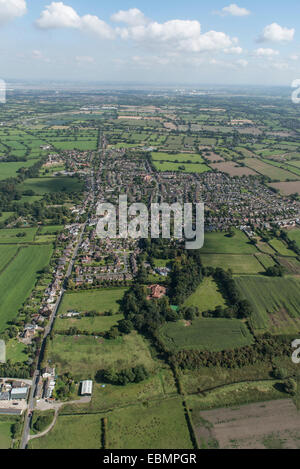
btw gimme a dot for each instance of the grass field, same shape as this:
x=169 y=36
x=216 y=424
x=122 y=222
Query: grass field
x=6 y=255
x=16 y=351
x=275 y=302
x=10 y=236
x=154 y=425
x=205 y=334
x=95 y=324
x=83 y=356
x=18 y=279
x=274 y=173
x=181 y=167
x=98 y=300
x=221 y=243
x=281 y=248
x=206 y=297
x=178 y=157
x=265 y=260
x=239 y=264
x=70 y=432
x=10 y=170
x=42 y=186
x=5 y=432
x=294 y=235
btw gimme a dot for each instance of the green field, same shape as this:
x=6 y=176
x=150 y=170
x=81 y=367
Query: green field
x=178 y=157
x=221 y=243
x=6 y=255
x=275 y=302
x=5 y=432
x=281 y=248
x=95 y=300
x=239 y=264
x=265 y=260
x=95 y=324
x=10 y=170
x=53 y=229
x=205 y=334
x=274 y=173
x=16 y=351
x=10 y=236
x=18 y=279
x=83 y=356
x=43 y=185
x=154 y=425
x=206 y=297
x=72 y=432
x=294 y=235
x=181 y=167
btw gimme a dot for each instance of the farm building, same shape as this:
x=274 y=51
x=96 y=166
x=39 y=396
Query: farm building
x=19 y=393
x=86 y=388
x=2 y=352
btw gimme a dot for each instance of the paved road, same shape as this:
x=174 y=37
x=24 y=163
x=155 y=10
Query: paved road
x=48 y=330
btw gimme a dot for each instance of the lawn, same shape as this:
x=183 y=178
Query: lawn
x=83 y=356
x=239 y=264
x=18 y=279
x=72 y=432
x=206 y=297
x=10 y=236
x=152 y=425
x=16 y=351
x=94 y=300
x=205 y=334
x=275 y=303
x=41 y=186
x=221 y=243
x=5 y=432
x=96 y=324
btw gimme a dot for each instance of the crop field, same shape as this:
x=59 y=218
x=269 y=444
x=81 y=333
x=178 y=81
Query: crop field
x=274 y=173
x=233 y=169
x=157 y=425
x=275 y=303
x=68 y=433
x=281 y=248
x=181 y=167
x=291 y=265
x=238 y=263
x=287 y=188
x=265 y=260
x=18 y=279
x=96 y=300
x=83 y=356
x=41 y=186
x=94 y=324
x=205 y=334
x=12 y=236
x=206 y=297
x=221 y=243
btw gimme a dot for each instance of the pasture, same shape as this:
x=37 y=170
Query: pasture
x=15 y=236
x=10 y=170
x=83 y=356
x=238 y=263
x=206 y=297
x=41 y=186
x=151 y=425
x=281 y=248
x=213 y=335
x=95 y=324
x=181 y=167
x=222 y=243
x=95 y=300
x=274 y=173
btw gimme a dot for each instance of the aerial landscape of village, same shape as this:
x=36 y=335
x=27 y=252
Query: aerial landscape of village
x=139 y=341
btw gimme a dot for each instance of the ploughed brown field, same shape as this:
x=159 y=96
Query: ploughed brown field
x=265 y=425
x=287 y=188
x=212 y=157
x=232 y=169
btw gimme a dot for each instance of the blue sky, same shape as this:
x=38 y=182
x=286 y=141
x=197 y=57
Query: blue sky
x=193 y=42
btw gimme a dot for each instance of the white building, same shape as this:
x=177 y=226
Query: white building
x=86 y=388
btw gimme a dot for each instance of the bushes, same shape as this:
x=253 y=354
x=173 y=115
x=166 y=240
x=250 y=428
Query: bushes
x=43 y=422
x=123 y=377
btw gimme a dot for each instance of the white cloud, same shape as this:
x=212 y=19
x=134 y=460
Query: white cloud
x=59 y=15
x=265 y=52
x=242 y=63
x=11 y=9
x=234 y=50
x=132 y=17
x=294 y=57
x=276 y=33
x=233 y=10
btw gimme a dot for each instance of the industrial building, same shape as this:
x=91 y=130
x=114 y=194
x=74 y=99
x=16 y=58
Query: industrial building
x=86 y=388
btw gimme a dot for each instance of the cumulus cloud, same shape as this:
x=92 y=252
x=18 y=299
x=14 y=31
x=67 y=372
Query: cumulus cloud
x=265 y=52
x=58 y=15
x=132 y=17
x=11 y=9
x=233 y=10
x=276 y=33
x=234 y=50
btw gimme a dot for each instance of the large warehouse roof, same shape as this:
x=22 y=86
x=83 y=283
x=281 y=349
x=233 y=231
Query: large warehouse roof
x=87 y=387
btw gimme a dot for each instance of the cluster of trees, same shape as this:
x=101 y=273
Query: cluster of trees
x=186 y=276
x=238 y=308
x=265 y=348
x=291 y=244
x=64 y=387
x=15 y=370
x=123 y=377
x=43 y=421
x=275 y=271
